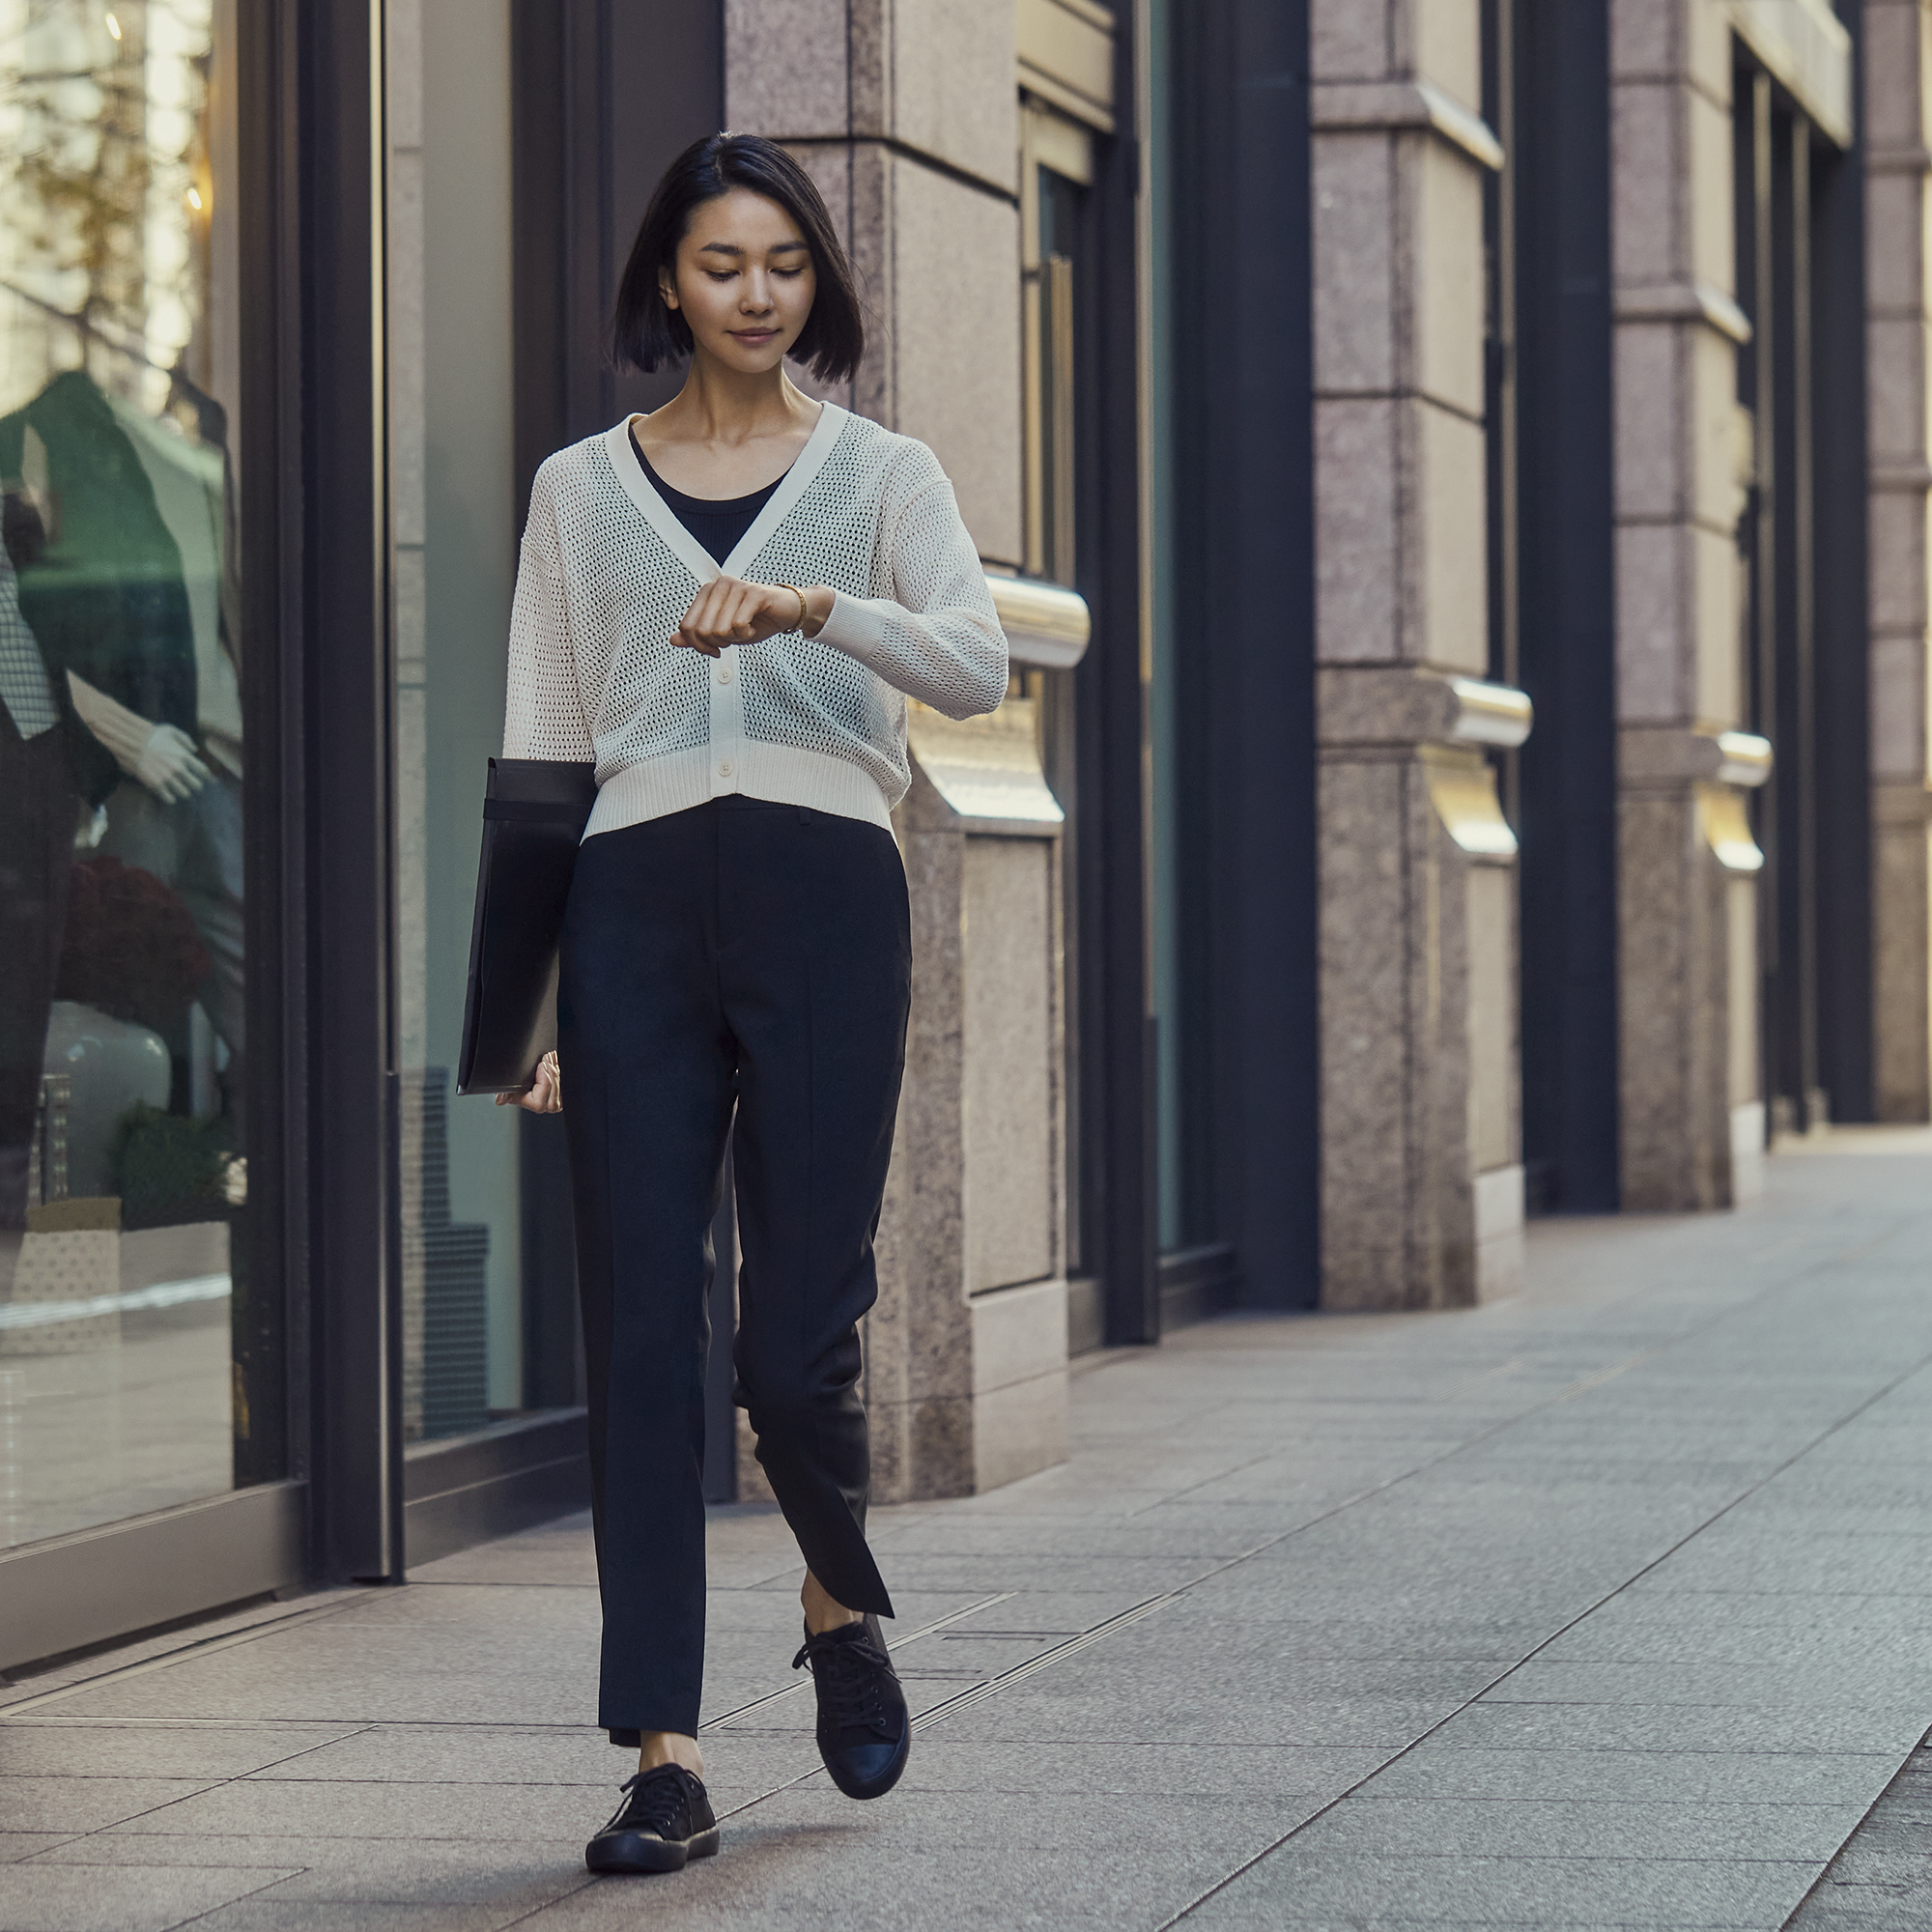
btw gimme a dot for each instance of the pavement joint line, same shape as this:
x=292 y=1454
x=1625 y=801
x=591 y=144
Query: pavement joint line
x=1220 y=1476
x=777 y=1791
x=899 y=1644
x=208 y=1646
x=254 y=1891
x=492 y=1583
x=1891 y=1784
x=1851 y=1415
x=936 y=1713
x=1568 y=1392
x=569 y=1891
x=212 y=1784
x=349 y=1725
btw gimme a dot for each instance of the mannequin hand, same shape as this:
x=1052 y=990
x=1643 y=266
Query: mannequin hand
x=545 y=1093
x=730 y=611
x=169 y=765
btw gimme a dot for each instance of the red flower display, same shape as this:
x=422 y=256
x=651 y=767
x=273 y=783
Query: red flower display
x=130 y=949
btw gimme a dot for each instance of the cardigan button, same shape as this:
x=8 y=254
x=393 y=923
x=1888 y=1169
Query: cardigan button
x=723 y=768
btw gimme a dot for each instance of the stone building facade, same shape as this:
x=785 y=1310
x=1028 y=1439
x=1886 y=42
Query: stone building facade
x=1598 y=357
x=1557 y=838
x=1456 y=475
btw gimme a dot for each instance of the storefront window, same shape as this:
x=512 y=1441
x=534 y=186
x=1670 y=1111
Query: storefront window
x=136 y=1370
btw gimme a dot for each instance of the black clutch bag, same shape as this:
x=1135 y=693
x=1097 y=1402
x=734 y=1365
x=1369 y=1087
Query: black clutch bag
x=534 y=811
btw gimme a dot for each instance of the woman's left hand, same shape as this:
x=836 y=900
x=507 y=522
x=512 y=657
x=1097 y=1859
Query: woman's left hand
x=728 y=611
x=545 y=1093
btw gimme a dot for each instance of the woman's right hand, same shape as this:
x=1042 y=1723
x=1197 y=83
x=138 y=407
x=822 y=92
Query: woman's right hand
x=545 y=1093
x=728 y=611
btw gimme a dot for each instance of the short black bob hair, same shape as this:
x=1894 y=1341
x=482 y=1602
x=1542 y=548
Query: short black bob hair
x=645 y=332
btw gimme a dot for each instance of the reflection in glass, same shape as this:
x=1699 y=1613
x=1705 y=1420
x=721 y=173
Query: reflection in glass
x=134 y=1371
x=487 y=1279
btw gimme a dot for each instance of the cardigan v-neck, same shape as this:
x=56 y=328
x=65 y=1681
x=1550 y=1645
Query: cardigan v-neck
x=678 y=540
x=716 y=522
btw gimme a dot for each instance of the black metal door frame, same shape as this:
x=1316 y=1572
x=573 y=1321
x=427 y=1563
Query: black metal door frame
x=337 y=643
x=1112 y=1060
x=1243 y=544
x=1801 y=279
x=1841 y=615
x=1566 y=621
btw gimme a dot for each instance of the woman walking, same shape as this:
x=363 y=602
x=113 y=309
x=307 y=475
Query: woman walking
x=724 y=605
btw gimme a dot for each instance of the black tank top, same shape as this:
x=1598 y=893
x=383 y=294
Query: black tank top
x=717 y=523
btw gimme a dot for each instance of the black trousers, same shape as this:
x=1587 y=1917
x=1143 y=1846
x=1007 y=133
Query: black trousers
x=742 y=956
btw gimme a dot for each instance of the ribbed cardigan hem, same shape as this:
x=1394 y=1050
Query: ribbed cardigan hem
x=777 y=774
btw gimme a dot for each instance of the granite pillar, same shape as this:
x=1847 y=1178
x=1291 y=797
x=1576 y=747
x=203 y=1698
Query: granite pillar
x=966 y=1353
x=1898 y=105
x=1692 y=1127
x=906 y=114
x=1422 y=1181
x=1680 y=664
x=965 y=1376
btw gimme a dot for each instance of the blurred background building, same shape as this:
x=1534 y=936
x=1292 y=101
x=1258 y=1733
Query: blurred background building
x=1455 y=476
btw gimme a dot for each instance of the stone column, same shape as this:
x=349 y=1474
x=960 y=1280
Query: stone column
x=966 y=1353
x=1422 y=1181
x=1898 y=44
x=905 y=111
x=1686 y=1007
x=966 y=1348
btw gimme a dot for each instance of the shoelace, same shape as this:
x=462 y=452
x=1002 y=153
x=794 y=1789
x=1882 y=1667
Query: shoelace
x=656 y=1797
x=847 y=1675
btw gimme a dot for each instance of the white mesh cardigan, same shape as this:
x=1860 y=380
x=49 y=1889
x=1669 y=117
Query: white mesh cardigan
x=608 y=571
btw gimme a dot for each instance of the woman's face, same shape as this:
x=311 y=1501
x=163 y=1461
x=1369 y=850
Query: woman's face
x=744 y=281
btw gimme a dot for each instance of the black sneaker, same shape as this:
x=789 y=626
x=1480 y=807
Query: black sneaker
x=864 y=1734
x=664 y=1820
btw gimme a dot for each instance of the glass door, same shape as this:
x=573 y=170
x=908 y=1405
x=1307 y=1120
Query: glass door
x=141 y=1344
x=488 y=1281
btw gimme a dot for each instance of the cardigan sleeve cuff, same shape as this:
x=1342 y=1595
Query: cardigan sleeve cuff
x=856 y=627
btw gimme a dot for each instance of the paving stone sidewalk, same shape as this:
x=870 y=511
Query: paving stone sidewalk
x=1606 y=1607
